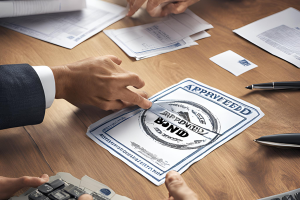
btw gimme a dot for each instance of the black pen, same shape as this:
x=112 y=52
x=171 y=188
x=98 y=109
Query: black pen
x=288 y=140
x=276 y=85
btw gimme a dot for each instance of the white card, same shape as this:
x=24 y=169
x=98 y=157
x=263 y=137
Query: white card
x=233 y=62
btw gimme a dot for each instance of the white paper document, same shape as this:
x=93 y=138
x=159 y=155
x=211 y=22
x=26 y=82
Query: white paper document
x=152 y=39
x=233 y=62
x=194 y=120
x=70 y=28
x=279 y=34
x=35 y=7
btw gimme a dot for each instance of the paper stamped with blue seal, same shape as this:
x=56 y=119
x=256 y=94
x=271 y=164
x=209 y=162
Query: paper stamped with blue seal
x=189 y=120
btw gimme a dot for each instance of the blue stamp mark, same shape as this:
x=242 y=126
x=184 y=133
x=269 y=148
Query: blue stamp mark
x=177 y=44
x=105 y=191
x=244 y=62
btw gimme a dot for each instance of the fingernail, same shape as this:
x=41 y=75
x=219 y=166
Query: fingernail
x=146 y=94
x=149 y=104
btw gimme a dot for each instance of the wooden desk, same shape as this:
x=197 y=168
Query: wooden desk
x=239 y=169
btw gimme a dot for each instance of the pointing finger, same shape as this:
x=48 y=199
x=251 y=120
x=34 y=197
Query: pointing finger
x=131 y=79
x=34 y=181
x=135 y=6
x=175 y=8
x=135 y=99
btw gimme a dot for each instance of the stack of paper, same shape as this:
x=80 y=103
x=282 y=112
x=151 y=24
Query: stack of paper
x=172 y=33
x=70 y=28
x=14 y=8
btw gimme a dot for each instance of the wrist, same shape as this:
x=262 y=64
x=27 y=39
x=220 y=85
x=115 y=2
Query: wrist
x=61 y=81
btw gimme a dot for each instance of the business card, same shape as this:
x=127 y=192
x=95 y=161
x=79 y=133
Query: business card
x=233 y=62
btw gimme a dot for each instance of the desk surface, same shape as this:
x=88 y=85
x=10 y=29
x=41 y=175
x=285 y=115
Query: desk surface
x=239 y=169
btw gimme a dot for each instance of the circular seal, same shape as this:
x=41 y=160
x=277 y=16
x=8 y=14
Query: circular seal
x=192 y=116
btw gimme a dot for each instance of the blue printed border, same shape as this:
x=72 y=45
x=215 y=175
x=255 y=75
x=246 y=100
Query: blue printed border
x=157 y=97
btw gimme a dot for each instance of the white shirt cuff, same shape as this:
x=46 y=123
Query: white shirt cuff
x=47 y=79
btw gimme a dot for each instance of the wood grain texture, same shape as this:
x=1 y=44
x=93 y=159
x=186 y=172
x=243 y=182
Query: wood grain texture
x=239 y=169
x=20 y=156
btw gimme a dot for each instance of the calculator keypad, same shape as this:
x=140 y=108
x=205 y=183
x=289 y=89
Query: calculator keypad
x=57 y=190
x=291 y=195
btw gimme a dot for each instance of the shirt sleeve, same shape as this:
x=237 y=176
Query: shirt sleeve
x=48 y=82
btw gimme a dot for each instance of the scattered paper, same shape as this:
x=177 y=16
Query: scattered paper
x=279 y=34
x=35 y=7
x=172 y=33
x=233 y=62
x=152 y=146
x=68 y=29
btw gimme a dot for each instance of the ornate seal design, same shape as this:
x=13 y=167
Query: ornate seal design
x=197 y=126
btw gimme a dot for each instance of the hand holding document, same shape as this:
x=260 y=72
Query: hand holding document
x=279 y=34
x=70 y=28
x=190 y=121
x=170 y=34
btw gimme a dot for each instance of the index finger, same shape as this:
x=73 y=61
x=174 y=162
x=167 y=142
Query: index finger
x=115 y=59
x=153 y=4
x=135 y=6
x=175 y=8
x=131 y=79
x=135 y=99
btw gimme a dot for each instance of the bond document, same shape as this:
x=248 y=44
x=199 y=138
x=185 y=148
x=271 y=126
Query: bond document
x=189 y=120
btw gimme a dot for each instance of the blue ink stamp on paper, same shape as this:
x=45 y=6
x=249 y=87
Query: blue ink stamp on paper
x=244 y=62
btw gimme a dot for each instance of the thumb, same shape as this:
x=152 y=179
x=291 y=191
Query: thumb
x=85 y=197
x=177 y=187
x=34 y=181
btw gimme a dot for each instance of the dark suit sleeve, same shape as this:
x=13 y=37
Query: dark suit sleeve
x=22 y=98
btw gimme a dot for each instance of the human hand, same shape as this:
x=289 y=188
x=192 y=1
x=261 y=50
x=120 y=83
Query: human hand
x=178 y=189
x=175 y=7
x=100 y=82
x=85 y=197
x=9 y=186
x=160 y=8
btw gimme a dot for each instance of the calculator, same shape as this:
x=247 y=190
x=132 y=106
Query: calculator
x=291 y=195
x=64 y=186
